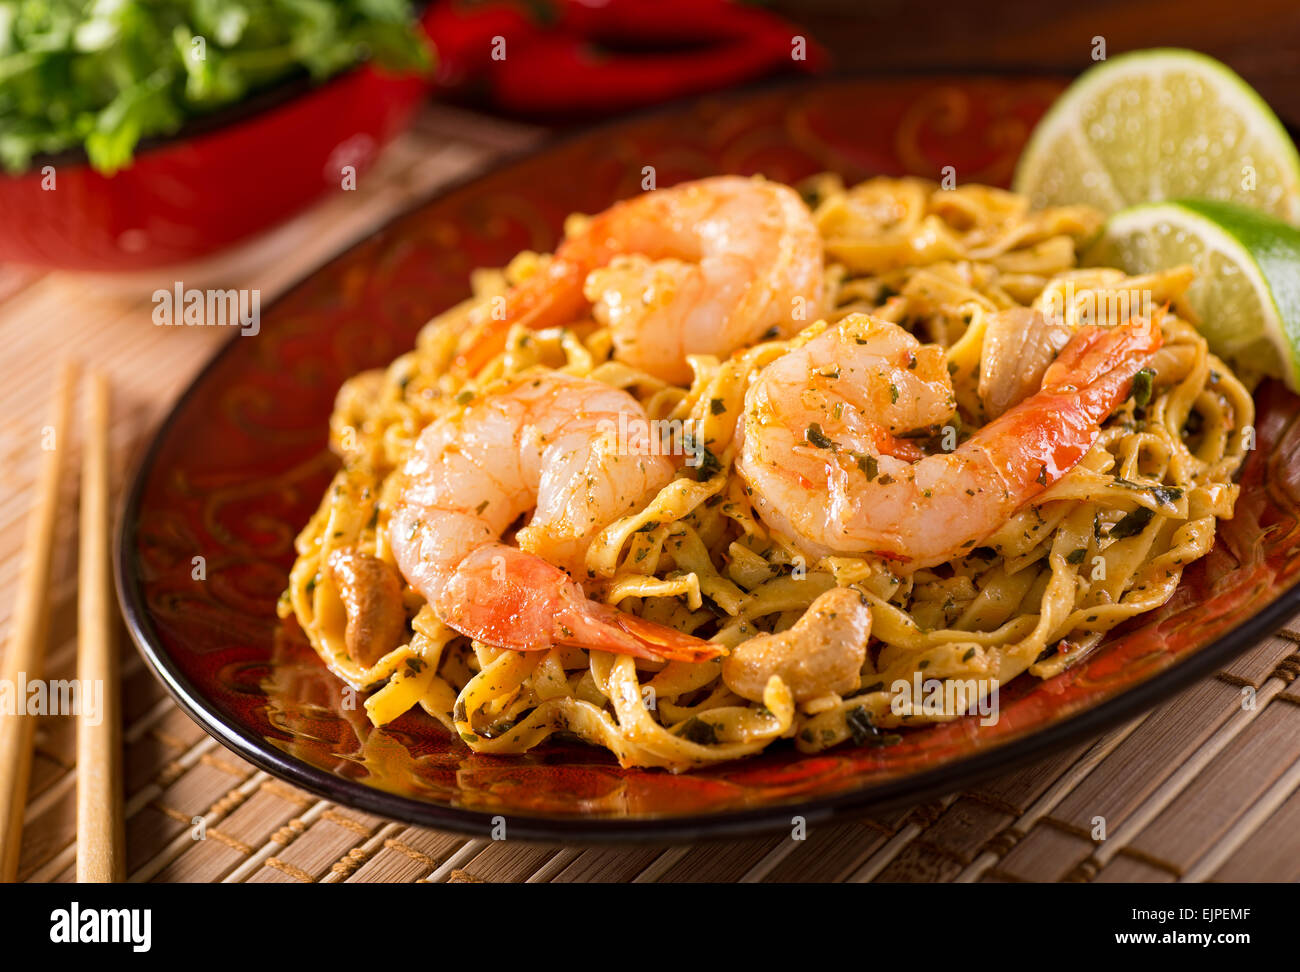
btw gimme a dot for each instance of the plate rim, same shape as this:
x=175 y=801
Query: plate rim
x=911 y=788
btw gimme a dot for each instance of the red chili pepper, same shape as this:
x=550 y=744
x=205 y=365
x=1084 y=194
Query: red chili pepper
x=464 y=36
x=580 y=63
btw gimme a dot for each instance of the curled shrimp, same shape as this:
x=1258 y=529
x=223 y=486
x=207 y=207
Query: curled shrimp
x=822 y=654
x=544 y=444
x=704 y=267
x=815 y=419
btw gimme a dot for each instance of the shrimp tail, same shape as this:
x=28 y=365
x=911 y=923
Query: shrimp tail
x=510 y=599
x=551 y=298
x=1101 y=361
x=595 y=626
x=1059 y=425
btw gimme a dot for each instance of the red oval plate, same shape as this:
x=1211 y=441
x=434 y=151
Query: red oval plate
x=241 y=463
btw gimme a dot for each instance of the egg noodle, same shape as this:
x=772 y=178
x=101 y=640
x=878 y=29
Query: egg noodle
x=1106 y=542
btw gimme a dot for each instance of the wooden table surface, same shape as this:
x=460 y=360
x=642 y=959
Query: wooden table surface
x=1201 y=788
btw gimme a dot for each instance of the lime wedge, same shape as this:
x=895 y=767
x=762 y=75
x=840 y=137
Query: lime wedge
x=1161 y=124
x=1247 y=287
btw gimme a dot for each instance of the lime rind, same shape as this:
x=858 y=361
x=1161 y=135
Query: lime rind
x=1061 y=128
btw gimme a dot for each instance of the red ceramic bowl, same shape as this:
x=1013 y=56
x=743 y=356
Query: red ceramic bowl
x=219 y=180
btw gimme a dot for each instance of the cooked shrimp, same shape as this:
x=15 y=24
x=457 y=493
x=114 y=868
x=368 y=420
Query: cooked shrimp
x=551 y=445
x=821 y=654
x=704 y=267
x=808 y=433
x=1019 y=346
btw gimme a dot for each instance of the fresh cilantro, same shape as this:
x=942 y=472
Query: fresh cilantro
x=102 y=75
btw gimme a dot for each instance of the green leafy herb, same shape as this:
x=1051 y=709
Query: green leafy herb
x=869 y=466
x=1166 y=495
x=102 y=75
x=700 y=732
x=860 y=725
x=1142 y=384
x=817 y=437
x=708 y=467
x=1132 y=524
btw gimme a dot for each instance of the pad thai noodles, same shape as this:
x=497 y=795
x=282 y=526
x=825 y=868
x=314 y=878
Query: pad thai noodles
x=743 y=462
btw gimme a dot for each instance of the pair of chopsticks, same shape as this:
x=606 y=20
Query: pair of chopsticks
x=100 y=843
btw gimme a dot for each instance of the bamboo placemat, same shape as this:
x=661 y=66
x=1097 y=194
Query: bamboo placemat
x=1203 y=788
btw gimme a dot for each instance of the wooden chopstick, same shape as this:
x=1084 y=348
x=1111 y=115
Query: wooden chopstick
x=24 y=656
x=100 y=843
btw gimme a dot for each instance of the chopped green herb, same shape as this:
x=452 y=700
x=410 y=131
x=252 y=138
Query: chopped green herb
x=1166 y=495
x=1132 y=524
x=817 y=437
x=708 y=467
x=860 y=725
x=700 y=732
x=1142 y=385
